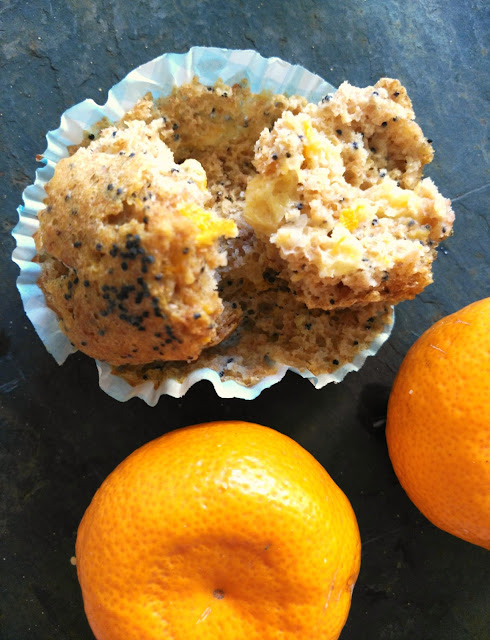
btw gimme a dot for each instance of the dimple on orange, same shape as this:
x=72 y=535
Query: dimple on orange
x=226 y=530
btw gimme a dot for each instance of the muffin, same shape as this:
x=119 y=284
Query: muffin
x=339 y=196
x=129 y=250
x=217 y=229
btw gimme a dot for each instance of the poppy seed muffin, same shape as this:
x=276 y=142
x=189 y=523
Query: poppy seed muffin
x=217 y=228
x=129 y=250
x=339 y=196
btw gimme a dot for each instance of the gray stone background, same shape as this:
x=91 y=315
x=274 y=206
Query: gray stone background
x=61 y=435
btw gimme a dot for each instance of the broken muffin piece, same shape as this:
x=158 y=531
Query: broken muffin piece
x=340 y=197
x=129 y=250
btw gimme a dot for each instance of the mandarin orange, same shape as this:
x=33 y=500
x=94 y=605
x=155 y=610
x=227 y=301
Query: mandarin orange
x=438 y=427
x=225 y=530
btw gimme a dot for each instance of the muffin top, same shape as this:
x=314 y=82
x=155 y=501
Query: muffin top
x=339 y=194
x=129 y=249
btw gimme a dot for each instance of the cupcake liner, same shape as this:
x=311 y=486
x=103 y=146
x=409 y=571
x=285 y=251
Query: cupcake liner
x=158 y=76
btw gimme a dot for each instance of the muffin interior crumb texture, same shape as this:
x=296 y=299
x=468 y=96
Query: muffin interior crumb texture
x=237 y=231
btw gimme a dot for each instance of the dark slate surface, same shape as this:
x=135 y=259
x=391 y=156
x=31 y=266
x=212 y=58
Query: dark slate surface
x=61 y=435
